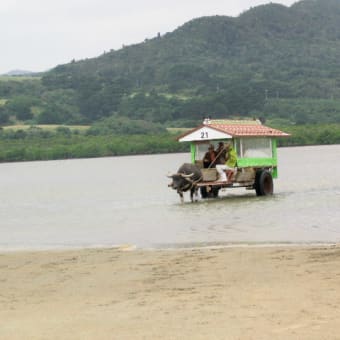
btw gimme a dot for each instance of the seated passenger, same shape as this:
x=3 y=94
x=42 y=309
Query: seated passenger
x=227 y=170
x=231 y=162
x=209 y=158
x=221 y=153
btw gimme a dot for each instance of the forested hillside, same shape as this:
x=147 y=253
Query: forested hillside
x=276 y=62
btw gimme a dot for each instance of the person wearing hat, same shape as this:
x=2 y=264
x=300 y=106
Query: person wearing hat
x=209 y=157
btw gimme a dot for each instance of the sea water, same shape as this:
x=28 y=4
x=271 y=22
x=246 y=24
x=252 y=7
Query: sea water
x=126 y=201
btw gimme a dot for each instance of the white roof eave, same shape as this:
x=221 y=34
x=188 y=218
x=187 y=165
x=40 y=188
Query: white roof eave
x=204 y=133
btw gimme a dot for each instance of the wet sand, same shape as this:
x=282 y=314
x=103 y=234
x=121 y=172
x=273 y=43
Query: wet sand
x=215 y=293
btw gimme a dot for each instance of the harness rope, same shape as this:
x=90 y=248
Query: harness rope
x=217 y=156
x=192 y=183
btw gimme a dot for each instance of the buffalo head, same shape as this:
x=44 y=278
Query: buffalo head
x=186 y=178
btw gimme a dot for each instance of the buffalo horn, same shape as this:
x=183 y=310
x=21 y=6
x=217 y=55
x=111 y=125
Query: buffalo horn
x=187 y=176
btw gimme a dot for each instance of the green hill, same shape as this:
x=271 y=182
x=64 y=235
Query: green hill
x=281 y=63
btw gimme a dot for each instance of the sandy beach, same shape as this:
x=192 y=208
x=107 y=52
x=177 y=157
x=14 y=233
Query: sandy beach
x=200 y=293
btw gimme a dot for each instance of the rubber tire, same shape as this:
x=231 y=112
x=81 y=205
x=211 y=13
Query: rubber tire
x=264 y=185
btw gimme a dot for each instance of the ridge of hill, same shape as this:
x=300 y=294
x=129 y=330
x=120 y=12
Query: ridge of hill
x=17 y=73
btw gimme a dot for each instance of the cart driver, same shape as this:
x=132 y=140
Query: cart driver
x=209 y=158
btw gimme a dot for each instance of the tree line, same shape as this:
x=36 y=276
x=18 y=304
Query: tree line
x=64 y=143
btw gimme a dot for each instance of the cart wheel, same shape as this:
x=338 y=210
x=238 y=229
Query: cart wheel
x=263 y=183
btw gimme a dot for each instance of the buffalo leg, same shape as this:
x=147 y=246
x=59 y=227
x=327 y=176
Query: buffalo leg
x=192 y=191
x=196 y=193
x=180 y=193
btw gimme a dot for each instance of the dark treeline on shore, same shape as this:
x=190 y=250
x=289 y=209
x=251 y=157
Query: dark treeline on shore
x=37 y=144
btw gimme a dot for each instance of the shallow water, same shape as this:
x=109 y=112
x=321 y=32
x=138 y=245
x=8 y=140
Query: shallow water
x=125 y=200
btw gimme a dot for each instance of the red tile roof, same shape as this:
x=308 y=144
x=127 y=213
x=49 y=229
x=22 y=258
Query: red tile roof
x=239 y=128
x=246 y=128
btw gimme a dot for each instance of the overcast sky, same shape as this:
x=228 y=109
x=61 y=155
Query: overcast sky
x=37 y=35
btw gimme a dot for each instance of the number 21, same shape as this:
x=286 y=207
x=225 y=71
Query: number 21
x=204 y=134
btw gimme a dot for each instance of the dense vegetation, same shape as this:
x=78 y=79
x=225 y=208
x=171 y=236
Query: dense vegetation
x=63 y=143
x=275 y=62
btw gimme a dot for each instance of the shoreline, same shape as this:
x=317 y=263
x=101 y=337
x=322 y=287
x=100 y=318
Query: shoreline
x=275 y=292
x=179 y=247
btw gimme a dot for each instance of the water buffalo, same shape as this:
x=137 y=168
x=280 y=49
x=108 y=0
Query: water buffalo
x=186 y=178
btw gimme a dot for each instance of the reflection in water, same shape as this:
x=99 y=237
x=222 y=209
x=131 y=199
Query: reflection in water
x=125 y=200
